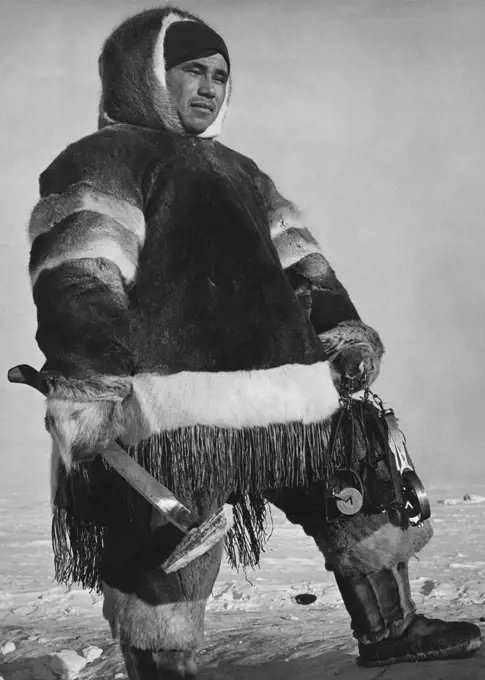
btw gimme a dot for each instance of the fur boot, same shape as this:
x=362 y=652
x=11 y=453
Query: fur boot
x=384 y=621
x=144 y=664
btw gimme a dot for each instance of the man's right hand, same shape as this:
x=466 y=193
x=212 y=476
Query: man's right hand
x=354 y=351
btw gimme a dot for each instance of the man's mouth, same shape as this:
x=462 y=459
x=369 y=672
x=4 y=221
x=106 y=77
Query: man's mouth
x=205 y=106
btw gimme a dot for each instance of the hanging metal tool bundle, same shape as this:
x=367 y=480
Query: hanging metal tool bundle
x=386 y=479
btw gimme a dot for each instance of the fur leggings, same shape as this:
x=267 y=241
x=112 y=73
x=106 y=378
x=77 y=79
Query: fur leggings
x=149 y=610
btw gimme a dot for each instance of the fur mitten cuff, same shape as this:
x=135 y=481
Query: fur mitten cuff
x=354 y=351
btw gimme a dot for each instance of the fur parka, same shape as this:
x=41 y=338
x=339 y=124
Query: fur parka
x=174 y=285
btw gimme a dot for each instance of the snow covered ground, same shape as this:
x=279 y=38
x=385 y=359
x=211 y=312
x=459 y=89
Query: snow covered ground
x=255 y=628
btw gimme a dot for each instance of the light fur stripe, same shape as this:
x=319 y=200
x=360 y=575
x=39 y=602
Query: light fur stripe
x=236 y=399
x=174 y=625
x=293 y=244
x=159 y=62
x=383 y=549
x=51 y=210
x=105 y=248
x=284 y=218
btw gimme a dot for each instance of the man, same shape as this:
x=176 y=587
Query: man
x=180 y=298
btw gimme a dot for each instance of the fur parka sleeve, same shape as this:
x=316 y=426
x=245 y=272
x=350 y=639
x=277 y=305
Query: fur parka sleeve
x=352 y=346
x=85 y=234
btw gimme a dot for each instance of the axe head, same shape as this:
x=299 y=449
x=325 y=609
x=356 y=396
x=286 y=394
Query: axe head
x=200 y=540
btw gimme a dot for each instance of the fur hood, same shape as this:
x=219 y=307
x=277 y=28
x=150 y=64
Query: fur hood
x=133 y=75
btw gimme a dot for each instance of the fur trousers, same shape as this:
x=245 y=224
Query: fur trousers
x=362 y=545
x=147 y=608
x=150 y=610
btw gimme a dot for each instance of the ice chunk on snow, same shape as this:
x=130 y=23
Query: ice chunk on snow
x=92 y=653
x=468 y=498
x=68 y=664
x=8 y=647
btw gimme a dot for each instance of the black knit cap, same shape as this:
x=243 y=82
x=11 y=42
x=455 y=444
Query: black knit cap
x=187 y=40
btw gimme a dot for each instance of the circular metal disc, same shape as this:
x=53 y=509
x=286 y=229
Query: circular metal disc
x=349 y=501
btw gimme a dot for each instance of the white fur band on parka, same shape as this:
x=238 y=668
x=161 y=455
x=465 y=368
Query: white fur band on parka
x=292 y=393
x=235 y=399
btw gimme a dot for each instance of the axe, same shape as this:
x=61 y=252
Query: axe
x=199 y=539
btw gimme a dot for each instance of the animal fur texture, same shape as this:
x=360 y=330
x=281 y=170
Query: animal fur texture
x=142 y=664
x=366 y=546
x=233 y=399
x=168 y=612
x=159 y=611
x=354 y=350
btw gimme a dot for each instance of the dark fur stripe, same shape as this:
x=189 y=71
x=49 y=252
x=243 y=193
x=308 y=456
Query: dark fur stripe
x=82 y=319
x=316 y=269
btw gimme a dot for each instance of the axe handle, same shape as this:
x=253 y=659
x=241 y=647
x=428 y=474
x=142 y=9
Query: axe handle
x=146 y=485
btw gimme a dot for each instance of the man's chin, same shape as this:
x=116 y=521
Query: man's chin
x=196 y=125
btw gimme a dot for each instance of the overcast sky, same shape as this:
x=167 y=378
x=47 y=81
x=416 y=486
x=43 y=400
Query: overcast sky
x=370 y=115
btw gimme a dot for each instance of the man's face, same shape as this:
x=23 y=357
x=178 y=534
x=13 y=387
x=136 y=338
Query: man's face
x=198 y=89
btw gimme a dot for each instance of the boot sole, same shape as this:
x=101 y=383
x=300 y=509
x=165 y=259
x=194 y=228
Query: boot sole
x=458 y=651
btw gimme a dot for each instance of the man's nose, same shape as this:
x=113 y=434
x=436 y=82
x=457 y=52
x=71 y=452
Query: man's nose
x=206 y=87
